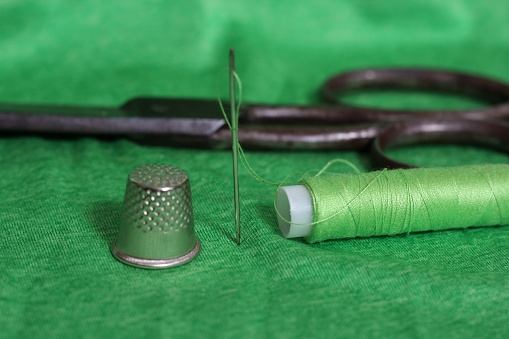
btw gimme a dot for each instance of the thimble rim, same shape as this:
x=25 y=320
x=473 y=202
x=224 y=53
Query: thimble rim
x=159 y=188
x=163 y=188
x=155 y=263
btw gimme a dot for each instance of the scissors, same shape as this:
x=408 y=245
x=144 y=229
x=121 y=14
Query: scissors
x=333 y=125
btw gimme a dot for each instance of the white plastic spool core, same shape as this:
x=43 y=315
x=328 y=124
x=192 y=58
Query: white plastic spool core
x=294 y=204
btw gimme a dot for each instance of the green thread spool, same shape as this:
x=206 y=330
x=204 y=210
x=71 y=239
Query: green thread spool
x=394 y=201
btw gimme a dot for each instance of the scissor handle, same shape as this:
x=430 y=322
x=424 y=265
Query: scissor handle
x=493 y=92
x=488 y=90
x=487 y=133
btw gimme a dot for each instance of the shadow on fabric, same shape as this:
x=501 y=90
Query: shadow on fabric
x=105 y=218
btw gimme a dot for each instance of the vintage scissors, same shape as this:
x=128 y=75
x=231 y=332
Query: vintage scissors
x=333 y=125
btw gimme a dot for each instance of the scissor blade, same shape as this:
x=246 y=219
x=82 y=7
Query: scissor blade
x=180 y=117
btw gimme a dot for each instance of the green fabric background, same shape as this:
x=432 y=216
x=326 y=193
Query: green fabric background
x=61 y=199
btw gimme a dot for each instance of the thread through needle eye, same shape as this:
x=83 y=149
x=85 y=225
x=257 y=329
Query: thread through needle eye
x=235 y=141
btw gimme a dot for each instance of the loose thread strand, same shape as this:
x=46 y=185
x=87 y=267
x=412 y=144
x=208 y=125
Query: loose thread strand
x=341 y=210
x=247 y=166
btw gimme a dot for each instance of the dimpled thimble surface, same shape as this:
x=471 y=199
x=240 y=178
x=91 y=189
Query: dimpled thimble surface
x=157 y=225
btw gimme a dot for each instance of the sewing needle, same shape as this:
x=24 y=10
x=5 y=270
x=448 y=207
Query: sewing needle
x=235 y=151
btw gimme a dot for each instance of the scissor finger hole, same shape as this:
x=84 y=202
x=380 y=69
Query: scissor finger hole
x=432 y=143
x=407 y=99
x=462 y=94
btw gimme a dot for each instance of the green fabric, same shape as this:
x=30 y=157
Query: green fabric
x=61 y=199
x=408 y=200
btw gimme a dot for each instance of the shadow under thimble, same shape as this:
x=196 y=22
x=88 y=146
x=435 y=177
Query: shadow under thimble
x=157 y=224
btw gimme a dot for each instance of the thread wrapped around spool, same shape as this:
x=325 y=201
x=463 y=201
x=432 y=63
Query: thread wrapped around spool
x=393 y=202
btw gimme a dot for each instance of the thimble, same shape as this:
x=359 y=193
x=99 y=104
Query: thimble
x=157 y=225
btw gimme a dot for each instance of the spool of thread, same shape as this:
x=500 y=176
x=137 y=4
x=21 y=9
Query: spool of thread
x=394 y=202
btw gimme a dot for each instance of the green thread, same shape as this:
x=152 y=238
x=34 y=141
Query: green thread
x=247 y=166
x=243 y=157
x=398 y=201
x=306 y=175
x=245 y=163
x=334 y=161
x=403 y=201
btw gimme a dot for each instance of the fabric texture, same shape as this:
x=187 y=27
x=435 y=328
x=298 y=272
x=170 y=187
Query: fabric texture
x=61 y=198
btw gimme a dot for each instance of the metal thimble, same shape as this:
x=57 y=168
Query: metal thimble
x=157 y=224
